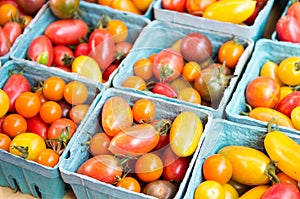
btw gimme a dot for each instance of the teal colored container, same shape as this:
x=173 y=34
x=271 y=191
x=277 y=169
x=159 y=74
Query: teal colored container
x=254 y=31
x=159 y=35
x=225 y=133
x=92 y=14
x=27 y=176
x=265 y=49
x=86 y=187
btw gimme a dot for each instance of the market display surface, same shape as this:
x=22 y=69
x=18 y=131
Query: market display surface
x=149 y=99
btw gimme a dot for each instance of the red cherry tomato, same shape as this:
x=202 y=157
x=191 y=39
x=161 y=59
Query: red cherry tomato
x=38 y=126
x=62 y=56
x=176 y=5
x=164 y=88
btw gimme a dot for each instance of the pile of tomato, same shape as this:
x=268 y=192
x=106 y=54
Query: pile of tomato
x=186 y=71
x=273 y=96
x=233 y=11
x=132 y=6
x=288 y=26
x=139 y=151
x=245 y=172
x=14 y=18
x=37 y=121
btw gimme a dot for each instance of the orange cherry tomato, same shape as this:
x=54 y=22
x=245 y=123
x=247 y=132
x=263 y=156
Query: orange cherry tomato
x=4 y=141
x=50 y=111
x=78 y=112
x=48 y=157
x=99 y=144
x=285 y=178
x=143 y=68
x=105 y=2
x=135 y=82
x=149 y=167
x=75 y=93
x=191 y=70
x=7 y=12
x=125 y=5
x=144 y=111
x=130 y=183
x=189 y=95
x=142 y=5
x=230 y=51
x=53 y=88
x=28 y=104
x=118 y=29
x=14 y=124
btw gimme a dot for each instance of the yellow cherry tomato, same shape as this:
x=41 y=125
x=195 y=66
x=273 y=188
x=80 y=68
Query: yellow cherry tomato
x=285 y=152
x=289 y=71
x=255 y=193
x=142 y=5
x=209 y=190
x=189 y=95
x=295 y=117
x=4 y=102
x=230 y=192
x=233 y=11
x=87 y=67
x=185 y=133
x=270 y=69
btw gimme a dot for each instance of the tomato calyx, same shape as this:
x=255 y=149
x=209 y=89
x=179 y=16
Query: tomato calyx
x=165 y=73
x=23 y=150
x=67 y=60
x=59 y=144
x=271 y=171
x=162 y=126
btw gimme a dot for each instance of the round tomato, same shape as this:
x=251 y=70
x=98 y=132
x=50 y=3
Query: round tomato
x=230 y=192
x=167 y=65
x=125 y=5
x=197 y=7
x=7 y=12
x=27 y=145
x=62 y=56
x=176 y=5
x=179 y=84
x=78 y=112
x=65 y=107
x=62 y=129
x=99 y=144
x=143 y=68
x=116 y=115
x=263 y=92
x=218 y=168
x=14 y=124
x=50 y=111
x=12 y=30
x=48 y=157
x=4 y=102
x=160 y=189
x=129 y=183
x=144 y=111
x=149 y=167
x=81 y=49
x=191 y=70
x=28 y=104
x=87 y=67
x=4 y=141
x=295 y=117
x=289 y=71
x=142 y=5
x=189 y=95
x=282 y=190
x=38 y=126
x=270 y=69
x=135 y=82
x=53 y=88
x=209 y=190
x=164 y=88
x=230 y=53
x=64 y=8
x=118 y=29
x=75 y=93
x=104 y=168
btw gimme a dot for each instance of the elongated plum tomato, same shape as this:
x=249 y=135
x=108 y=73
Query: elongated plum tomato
x=185 y=133
x=27 y=145
x=233 y=11
x=248 y=164
x=87 y=67
x=255 y=192
x=116 y=115
x=66 y=31
x=263 y=92
x=135 y=140
x=104 y=168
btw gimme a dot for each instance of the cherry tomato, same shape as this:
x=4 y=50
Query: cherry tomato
x=4 y=102
x=50 y=111
x=288 y=103
x=135 y=140
x=14 y=124
x=293 y=10
x=230 y=192
x=289 y=71
x=122 y=50
x=12 y=30
x=295 y=117
x=108 y=71
x=102 y=47
x=143 y=68
x=81 y=49
x=255 y=192
x=118 y=29
x=4 y=43
x=175 y=167
x=189 y=95
x=149 y=167
x=32 y=6
x=87 y=67
x=41 y=96
x=284 y=91
x=125 y=5
x=28 y=104
x=144 y=111
x=38 y=126
x=209 y=190
x=191 y=70
x=164 y=88
x=230 y=53
x=185 y=133
x=53 y=88
x=61 y=127
x=263 y=92
x=4 y=141
x=99 y=144
x=40 y=50
x=104 y=168
x=78 y=112
x=197 y=7
x=166 y=189
x=105 y=2
x=61 y=32
x=176 y=5
x=75 y=93
x=8 y=11
x=167 y=65
x=65 y=107
x=135 y=82
x=179 y=84
x=285 y=178
x=116 y=115
x=270 y=69
x=27 y=145
x=64 y=8
x=282 y=190
x=48 y=157
x=129 y=183
x=142 y=5
x=218 y=168
x=62 y=56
